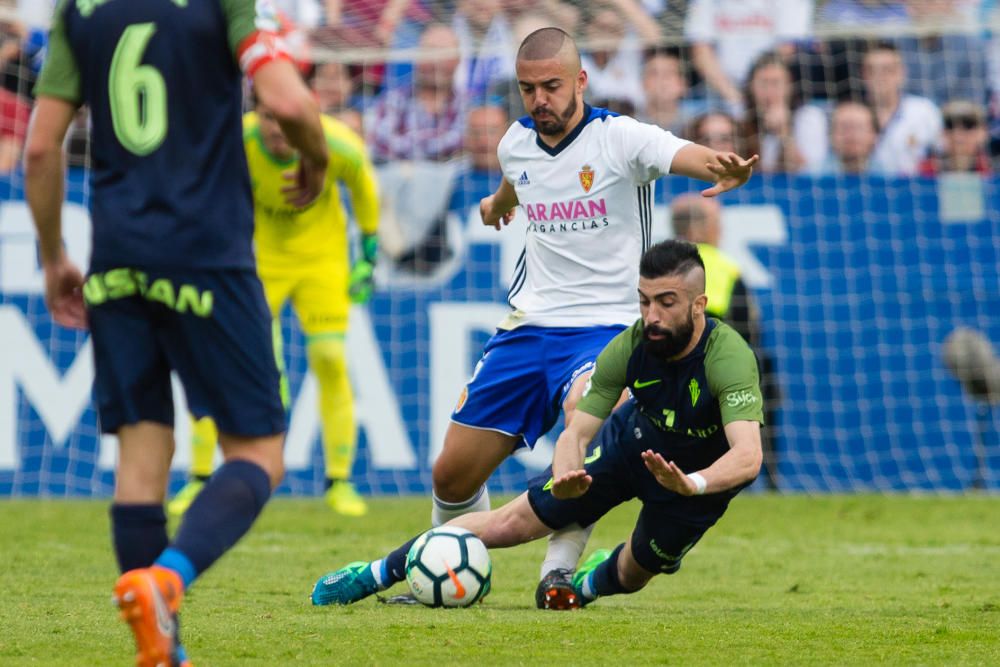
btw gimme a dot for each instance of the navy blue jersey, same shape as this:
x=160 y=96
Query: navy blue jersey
x=170 y=186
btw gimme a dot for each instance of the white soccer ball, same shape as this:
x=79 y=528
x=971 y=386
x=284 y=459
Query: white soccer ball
x=448 y=567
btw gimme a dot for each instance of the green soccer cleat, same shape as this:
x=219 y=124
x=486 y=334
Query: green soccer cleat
x=585 y=571
x=182 y=501
x=349 y=584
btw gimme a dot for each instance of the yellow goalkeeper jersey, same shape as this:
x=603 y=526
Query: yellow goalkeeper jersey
x=286 y=235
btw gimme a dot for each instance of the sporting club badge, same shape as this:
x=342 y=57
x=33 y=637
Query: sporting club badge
x=586 y=177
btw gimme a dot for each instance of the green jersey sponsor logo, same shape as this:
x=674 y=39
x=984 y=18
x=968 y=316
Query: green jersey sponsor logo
x=741 y=398
x=122 y=283
x=639 y=384
x=695 y=391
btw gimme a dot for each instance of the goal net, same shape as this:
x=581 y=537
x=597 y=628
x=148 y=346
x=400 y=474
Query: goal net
x=869 y=239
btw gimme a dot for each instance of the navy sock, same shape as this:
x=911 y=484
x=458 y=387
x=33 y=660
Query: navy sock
x=139 y=533
x=394 y=566
x=221 y=514
x=605 y=578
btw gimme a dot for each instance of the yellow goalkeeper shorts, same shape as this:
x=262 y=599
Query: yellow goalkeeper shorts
x=317 y=288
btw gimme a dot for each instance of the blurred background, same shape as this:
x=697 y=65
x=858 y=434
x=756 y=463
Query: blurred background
x=866 y=249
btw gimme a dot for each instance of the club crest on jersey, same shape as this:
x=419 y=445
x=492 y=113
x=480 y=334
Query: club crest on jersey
x=462 y=398
x=586 y=177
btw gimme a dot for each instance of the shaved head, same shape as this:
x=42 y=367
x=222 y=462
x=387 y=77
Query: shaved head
x=547 y=43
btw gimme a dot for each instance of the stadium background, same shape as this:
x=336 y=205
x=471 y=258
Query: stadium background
x=859 y=280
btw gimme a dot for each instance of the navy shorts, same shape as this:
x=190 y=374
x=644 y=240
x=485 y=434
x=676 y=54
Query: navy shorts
x=211 y=327
x=520 y=383
x=669 y=524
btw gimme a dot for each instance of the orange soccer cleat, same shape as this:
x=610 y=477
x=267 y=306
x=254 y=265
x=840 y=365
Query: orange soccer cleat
x=149 y=599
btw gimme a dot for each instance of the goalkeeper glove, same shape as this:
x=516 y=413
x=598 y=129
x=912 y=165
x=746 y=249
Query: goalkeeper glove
x=362 y=282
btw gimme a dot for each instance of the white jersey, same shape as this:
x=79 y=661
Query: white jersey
x=587 y=205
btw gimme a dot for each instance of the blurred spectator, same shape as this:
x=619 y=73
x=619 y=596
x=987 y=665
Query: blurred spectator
x=367 y=24
x=20 y=57
x=717 y=130
x=424 y=121
x=565 y=15
x=908 y=125
x=664 y=86
x=486 y=126
x=786 y=134
x=853 y=135
x=14 y=114
x=946 y=59
x=612 y=55
x=854 y=13
x=699 y=220
x=487 y=45
x=481 y=175
x=303 y=13
x=726 y=36
x=372 y=22
x=963 y=142
x=334 y=89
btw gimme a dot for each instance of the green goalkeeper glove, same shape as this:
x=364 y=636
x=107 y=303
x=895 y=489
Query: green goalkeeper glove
x=362 y=282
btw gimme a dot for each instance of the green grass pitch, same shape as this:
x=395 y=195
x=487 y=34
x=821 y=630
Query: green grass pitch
x=795 y=580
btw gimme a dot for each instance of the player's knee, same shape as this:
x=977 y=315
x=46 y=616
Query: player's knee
x=327 y=358
x=450 y=485
x=265 y=452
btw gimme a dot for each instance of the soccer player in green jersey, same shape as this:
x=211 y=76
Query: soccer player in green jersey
x=685 y=443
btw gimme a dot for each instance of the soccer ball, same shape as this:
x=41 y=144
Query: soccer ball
x=448 y=567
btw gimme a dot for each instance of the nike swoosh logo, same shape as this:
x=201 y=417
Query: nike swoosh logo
x=639 y=385
x=164 y=619
x=459 y=588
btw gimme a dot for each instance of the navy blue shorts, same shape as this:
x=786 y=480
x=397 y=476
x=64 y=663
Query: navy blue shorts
x=211 y=327
x=520 y=383
x=669 y=524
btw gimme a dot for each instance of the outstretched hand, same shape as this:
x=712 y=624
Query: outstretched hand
x=572 y=484
x=731 y=171
x=668 y=474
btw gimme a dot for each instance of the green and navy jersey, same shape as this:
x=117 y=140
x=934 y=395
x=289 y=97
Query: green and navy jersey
x=169 y=181
x=687 y=401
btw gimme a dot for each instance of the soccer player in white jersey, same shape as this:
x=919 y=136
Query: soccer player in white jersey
x=584 y=179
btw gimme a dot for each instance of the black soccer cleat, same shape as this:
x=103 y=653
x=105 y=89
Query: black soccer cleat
x=555 y=591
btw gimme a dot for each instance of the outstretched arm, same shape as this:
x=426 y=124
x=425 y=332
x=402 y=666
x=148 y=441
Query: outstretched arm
x=739 y=465
x=727 y=170
x=569 y=477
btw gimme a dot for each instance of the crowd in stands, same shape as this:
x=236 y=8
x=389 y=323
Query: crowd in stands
x=790 y=80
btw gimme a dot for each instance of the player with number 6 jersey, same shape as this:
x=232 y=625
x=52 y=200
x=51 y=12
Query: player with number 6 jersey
x=171 y=285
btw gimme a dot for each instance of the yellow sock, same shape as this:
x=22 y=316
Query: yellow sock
x=328 y=361
x=204 y=438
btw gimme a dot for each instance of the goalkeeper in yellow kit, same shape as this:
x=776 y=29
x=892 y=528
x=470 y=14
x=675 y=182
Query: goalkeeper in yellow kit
x=303 y=255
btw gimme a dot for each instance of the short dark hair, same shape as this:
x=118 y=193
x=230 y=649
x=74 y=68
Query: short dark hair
x=880 y=45
x=543 y=44
x=670 y=258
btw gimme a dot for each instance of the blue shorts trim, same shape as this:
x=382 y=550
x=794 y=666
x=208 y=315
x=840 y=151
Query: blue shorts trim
x=524 y=375
x=222 y=351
